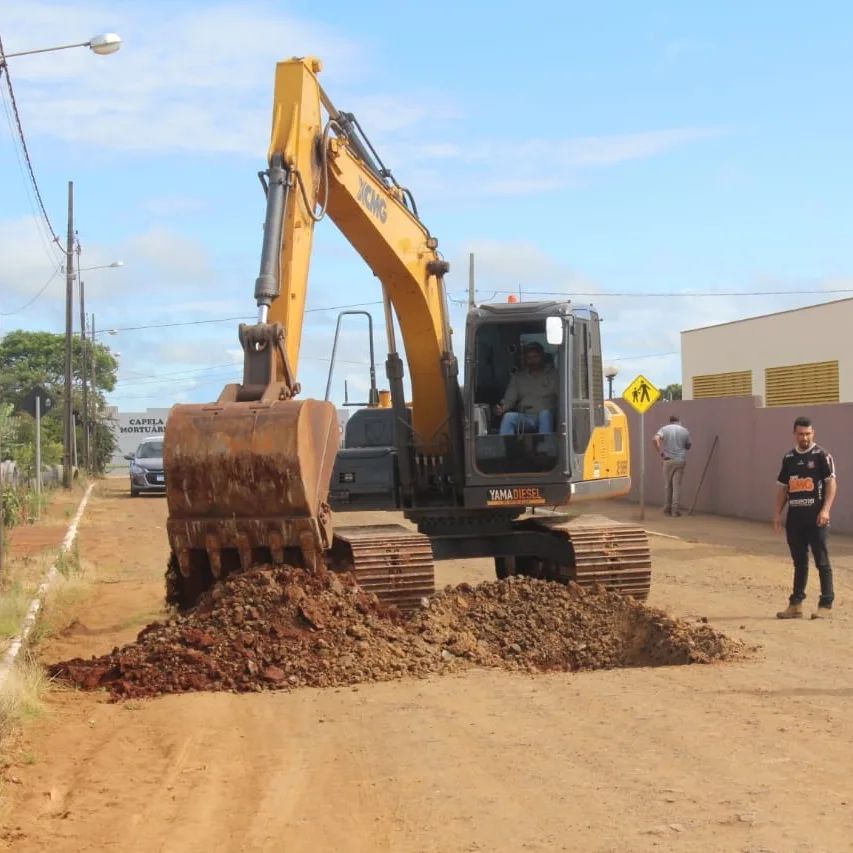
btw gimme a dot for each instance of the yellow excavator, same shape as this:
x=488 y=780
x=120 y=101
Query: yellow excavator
x=254 y=477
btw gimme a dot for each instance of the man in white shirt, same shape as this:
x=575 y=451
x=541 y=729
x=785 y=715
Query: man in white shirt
x=672 y=442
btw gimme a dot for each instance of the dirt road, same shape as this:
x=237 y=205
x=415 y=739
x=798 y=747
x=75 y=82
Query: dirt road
x=749 y=756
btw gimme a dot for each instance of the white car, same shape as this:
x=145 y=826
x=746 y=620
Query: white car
x=146 y=467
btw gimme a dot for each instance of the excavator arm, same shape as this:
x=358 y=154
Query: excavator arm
x=331 y=171
x=247 y=478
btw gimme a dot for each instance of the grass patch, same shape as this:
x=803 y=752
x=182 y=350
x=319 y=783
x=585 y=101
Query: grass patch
x=14 y=602
x=22 y=695
x=68 y=562
x=60 y=605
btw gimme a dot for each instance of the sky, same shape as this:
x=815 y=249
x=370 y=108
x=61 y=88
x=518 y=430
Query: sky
x=675 y=165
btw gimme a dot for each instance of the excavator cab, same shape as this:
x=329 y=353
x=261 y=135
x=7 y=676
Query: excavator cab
x=534 y=394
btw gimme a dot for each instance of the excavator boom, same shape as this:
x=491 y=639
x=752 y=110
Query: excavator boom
x=248 y=477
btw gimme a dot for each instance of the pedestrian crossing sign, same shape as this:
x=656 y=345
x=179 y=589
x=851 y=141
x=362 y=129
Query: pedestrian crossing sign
x=641 y=394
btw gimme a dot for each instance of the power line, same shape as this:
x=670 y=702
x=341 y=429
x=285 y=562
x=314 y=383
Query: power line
x=180 y=374
x=685 y=293
x=40 y=226
x=343 y=307
x=171 y=325
x=191 y=373
x=228 y=319
x=27 y=304
x=24 y=147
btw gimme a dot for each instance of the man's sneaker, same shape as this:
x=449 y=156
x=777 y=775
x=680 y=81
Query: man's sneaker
x=792 y=611
x=676 y=514
x=822 y=612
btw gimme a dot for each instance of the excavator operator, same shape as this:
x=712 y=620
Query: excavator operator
x=532 y=393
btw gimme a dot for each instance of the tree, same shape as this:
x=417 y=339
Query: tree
x=30 y=359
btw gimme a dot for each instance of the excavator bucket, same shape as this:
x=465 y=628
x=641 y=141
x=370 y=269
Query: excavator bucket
x=246 y=484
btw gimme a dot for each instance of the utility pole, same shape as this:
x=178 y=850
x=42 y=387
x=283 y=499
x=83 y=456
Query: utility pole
x=94 y=383
x=69 y=321
x=94 y=370
x=83 y=369
x=471 y=288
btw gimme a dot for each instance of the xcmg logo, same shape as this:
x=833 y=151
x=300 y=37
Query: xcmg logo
x=371 y=200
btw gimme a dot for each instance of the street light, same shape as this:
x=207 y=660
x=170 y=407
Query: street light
x=113 y=265
x=610 y=372
x=102 y=44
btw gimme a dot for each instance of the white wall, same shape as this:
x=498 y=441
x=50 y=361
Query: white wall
x=818 y=333
x=131 y=427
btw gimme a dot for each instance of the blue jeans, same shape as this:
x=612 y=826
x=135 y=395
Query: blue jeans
x=516 y=422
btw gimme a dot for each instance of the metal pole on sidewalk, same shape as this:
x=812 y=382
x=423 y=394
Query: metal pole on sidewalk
x=83 y=371
x=69 y=305
x=38 y=450
x=704 y=472
x=642 y=466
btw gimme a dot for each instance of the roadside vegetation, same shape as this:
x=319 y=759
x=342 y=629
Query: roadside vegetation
x=23 y=688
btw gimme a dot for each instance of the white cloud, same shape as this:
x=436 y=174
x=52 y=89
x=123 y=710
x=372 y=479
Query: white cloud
x=526 y=166
x=196 y=80
x=29 y=259
x=212 y=95
x=386 y=113
x=172 y=205
x=170 y=255
x=506 y=266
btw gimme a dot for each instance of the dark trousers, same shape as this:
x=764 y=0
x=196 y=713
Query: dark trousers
x=802 y=536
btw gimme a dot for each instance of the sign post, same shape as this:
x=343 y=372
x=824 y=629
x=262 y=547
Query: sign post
x=641 y=395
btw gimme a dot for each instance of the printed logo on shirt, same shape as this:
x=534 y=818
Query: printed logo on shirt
x=800 y=484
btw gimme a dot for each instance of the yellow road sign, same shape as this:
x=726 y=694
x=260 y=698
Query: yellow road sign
x=641 y=394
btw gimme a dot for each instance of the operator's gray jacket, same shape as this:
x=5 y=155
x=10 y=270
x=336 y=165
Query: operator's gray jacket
x=532 y=393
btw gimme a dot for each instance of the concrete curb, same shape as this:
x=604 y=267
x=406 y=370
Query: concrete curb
x=29 y=622
x=663 y=535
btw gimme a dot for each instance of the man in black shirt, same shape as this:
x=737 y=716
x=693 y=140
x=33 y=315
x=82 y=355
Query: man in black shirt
x=807 y=484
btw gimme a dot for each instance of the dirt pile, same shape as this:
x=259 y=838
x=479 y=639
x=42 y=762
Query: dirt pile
x=286 y=628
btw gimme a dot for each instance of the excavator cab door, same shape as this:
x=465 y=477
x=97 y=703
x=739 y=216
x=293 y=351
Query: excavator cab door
x=518 y=399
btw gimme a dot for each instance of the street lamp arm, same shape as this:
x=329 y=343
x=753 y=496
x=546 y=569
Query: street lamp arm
x=113 y=265
x=42 y=50
x=101 y=44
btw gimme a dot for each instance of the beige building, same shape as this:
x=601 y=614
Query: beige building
x=785 y=359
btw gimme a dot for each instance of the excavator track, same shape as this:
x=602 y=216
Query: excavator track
x=609 y=553
x=394 y=563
